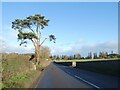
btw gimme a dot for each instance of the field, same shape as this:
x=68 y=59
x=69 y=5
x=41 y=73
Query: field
x=86 y=60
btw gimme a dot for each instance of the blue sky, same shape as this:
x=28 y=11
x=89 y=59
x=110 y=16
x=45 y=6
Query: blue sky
x=79 y=27
x=60 y=0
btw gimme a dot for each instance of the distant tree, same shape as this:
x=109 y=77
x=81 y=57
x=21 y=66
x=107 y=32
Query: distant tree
x=89 y=56
x=106 y=55
x=55 y=56
x=65 y=57
x=30 y=29
x=100 y=55
x=58 y=57
x=111 y=52
x=52 y=57
x=45 y=52
x=113 y=55
x=103 y=55
x=82 y=58
x=95 y=56
x=78 y=56
x=71 y=57
x=62 y=56
x=74 y=56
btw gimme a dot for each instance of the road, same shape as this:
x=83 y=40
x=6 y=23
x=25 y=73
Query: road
x=59 y=76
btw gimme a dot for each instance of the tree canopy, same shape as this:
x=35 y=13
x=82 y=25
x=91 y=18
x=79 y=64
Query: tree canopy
x=22 y=25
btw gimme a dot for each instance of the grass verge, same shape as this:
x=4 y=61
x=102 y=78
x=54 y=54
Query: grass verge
x=17 y=74
x=23 y=80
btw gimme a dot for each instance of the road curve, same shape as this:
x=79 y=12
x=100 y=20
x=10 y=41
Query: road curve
x=59 y=76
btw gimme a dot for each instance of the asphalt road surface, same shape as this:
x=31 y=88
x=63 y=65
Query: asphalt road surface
x=60 y=76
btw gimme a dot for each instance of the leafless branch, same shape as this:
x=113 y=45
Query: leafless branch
x=43 y=41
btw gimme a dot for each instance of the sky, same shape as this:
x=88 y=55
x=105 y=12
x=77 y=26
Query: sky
x=80 y=27
x=60 y=0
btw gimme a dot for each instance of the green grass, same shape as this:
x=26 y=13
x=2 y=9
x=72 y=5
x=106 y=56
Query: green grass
x=13 y=65
x=1 y=85
x=17 y=71
x=21 y=80
x=86 y=60
x=17 y=74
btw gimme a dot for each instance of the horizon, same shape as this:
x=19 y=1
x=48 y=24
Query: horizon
x=92 y=53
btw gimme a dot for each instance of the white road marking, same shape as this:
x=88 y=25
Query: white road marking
x=37 y=83
x=86 y=81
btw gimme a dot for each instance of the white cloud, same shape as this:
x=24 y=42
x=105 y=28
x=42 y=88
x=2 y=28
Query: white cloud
x=80 y=46
x=13 y=46
x=85 y=48
x=18 y=49
x=77 y=47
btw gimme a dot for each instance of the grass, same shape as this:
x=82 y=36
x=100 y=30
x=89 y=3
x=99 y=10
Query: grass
x=17 y=74
x=13 y=67
x=23 y=80
x=1 y=86
x=17 y=71
x=86 y=60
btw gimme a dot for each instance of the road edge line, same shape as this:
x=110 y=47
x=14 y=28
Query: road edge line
x=87 y=82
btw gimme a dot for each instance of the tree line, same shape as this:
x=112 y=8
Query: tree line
x=78 y=56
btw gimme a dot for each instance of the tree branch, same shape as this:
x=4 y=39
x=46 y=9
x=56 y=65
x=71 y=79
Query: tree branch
x=43 y=42
x=34 y=43
x=31 y=29
x=37 y=29
x=39 y=36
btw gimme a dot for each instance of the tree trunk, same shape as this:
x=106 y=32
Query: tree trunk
x=38 y=55
x=37 y=52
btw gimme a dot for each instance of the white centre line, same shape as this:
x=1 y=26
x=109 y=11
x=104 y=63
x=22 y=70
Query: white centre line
x=87 y=81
